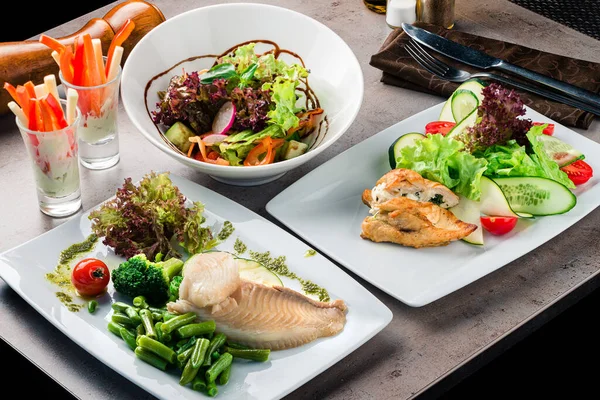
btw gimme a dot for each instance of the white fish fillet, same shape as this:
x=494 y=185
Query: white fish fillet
x=256 y=315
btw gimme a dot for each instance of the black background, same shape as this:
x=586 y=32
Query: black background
x=558 y=360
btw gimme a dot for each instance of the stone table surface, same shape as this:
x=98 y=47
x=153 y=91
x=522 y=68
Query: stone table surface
x=423 y=350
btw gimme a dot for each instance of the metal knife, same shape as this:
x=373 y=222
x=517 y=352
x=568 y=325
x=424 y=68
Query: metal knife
x=484 y=61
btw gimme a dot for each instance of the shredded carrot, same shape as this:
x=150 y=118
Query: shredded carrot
x=191 y=149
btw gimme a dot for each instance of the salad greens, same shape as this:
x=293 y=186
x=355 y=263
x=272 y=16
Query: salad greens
x=245 y=101
x=499 y=143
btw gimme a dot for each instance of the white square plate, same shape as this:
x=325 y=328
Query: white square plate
x=24 y=268
x=325 y=208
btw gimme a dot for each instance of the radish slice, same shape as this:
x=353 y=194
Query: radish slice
x=209 y=140
x=224 y=118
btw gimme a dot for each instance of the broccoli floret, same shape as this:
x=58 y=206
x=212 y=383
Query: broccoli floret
x=174 y=286
x=139 y=276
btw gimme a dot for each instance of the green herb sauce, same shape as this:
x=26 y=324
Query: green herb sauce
x=68 y=254
x=61 y=276
x=310 y=253
x=278 y=265
x=226 y=231
x=239 y=247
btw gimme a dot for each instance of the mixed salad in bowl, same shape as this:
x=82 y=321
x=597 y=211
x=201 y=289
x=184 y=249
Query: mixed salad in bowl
x=248 y=109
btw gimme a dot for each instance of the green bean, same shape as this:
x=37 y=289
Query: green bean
x=158 y=348
x=122 y=319
x=170 y=325
x=199 y=352
x=236 y=346
x=151 y=358
x=198 y=384
x=128 y=337
x=183 y=342
x=215 y=343
x=249 y=354
x=168 y=315
x=215 y=355
x=185 y=355
x=166 y=337
x=159 y=334
x=189 y=373
x=218 y=366
x=91 y=306
x=157 y=309
x=148 y=322
x=120 y=306
x=211 y=389
x=224 y=376
x=157 y=316
x=115 y=328
x=196 y=329
x=140 y=301
x=133 y=314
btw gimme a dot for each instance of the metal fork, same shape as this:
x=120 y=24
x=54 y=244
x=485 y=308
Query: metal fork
x=450 y=73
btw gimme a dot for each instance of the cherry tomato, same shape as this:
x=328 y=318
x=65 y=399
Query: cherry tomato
x=90 y=276
x=442 y=127
x=578 y=172
x=549 y=130
x=498 y=225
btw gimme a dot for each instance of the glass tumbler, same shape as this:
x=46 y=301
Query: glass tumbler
x=98 y=133
x=55 y=166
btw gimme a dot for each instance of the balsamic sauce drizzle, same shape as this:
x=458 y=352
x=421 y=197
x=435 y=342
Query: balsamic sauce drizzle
x=310 y=98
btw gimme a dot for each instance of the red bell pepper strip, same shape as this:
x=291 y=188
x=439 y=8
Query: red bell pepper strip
x=30 y=88
x=48 y=118
x=57 y=110
x=117 y=40
x=78 y=62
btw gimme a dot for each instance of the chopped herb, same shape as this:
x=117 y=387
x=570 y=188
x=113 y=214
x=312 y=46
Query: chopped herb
x=437 y=199
x=68 y=254
x=226 y=231
x=310 y=253
x=239 y=247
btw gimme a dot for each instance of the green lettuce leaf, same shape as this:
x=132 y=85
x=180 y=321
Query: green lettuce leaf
x=284 y=96
x=444 y=160
x=549 y=167
x=509 y=160
x=269 y=67
x=242 y=57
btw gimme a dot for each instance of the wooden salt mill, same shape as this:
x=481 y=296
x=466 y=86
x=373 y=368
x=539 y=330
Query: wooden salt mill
x=31 y=60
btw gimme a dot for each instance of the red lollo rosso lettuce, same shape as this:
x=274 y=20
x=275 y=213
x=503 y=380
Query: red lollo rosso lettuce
x=189 y=100
x=151 y=218
x=498 y=120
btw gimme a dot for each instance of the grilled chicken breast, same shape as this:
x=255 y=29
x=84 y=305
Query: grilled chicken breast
x=402 y=182
x=416 y=224
x=412 y=211
x=253 y=314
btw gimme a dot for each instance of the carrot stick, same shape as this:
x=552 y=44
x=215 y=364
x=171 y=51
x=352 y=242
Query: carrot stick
x=48 y=121
x=66 y=64
x=23 y=98
x=11 y=90
x=52 y=43
x=30 y=87
x=117 y=40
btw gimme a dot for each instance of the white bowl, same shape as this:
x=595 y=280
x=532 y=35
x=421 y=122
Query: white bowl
x=335 y=74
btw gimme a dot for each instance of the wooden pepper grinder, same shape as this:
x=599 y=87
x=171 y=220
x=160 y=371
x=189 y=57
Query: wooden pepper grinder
x=31 y=60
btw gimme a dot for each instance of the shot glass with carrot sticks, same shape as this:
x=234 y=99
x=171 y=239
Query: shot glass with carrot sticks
x=49 y=127
x=96 y=78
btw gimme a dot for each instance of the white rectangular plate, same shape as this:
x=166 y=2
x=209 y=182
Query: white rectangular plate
x=24 y=268
x=324 y=207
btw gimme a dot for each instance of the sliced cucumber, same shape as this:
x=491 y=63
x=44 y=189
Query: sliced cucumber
x=493 y=201
x=474 y=85
x=468 y=210
x=460 y=127
x=536 y=195
x=408 y=139
x=256 y=272
x=561 y=152
x=462 y=103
